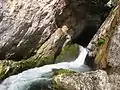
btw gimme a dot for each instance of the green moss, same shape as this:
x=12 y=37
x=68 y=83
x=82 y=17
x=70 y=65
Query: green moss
x=68 y=53
x=98 y=58
x=33 y=62
x=101 y=41
x=62 y=71
x=2 y=70
x=5 y=66
x=58 y=73
x=8 y=68
x=55 y=85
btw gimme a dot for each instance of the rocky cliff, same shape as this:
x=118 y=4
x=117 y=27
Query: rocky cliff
x=34 y=32
x=104 y=47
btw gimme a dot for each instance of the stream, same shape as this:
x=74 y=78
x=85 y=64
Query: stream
x=40 y=77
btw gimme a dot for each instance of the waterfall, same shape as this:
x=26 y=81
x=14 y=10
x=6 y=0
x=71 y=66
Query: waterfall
x=38 y=76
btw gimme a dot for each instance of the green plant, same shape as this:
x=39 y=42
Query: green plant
x=101 y=41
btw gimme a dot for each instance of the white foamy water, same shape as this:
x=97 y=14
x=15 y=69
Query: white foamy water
x=26 y=79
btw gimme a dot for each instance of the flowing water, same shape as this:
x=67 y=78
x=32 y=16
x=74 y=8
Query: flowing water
x=37 y=78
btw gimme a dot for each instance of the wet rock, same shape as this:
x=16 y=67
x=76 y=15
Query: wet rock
x=68 y=53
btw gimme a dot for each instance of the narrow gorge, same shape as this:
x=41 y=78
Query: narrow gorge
x=59 y=44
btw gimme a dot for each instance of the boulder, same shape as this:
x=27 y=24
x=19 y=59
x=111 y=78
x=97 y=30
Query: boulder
x=93 y=80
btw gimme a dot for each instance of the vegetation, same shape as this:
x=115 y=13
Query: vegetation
x=68 y=53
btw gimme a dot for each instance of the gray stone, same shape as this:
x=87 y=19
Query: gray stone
x=114 y=49
x=114 y=80
x=93 y=80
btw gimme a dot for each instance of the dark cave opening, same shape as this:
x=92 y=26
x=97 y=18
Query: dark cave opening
x=88 y=33
x=85 y=37
x=91 y=28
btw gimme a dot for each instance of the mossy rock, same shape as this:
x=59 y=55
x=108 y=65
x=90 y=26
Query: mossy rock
x=62 y=71
x=10 y=67
x=68 y=53
x=58 y=73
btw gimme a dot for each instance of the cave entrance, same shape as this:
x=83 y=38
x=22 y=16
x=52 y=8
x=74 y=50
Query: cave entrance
x=93 y=24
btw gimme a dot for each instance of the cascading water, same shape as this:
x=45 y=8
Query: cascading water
x=36 y=78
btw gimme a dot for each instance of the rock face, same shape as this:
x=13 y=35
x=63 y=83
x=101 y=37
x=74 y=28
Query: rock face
x=114 y=49
x=30 y=25
x=99 y=45
x=113 y=59
x=104 y=47
x=26 y=26
x=94 y=80
x=31 y=28
x=33 y=32
x=68 y=53
x=39 y=77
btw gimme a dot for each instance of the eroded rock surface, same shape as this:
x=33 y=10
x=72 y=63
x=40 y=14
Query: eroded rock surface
x=114 y=49
x=114 y=59
x=94 y=80
x=27 y=26
x=104 y=47
x=33 y=32
x=41 y=28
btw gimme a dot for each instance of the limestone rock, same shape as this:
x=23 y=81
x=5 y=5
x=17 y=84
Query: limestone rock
x=105 y=47
x=33 y=32
x=94 y=80
x=114 y=49
x=114 y=80
x=99 y=45
x=27 y=26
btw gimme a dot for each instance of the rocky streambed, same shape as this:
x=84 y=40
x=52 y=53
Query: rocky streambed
x=31 y=78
